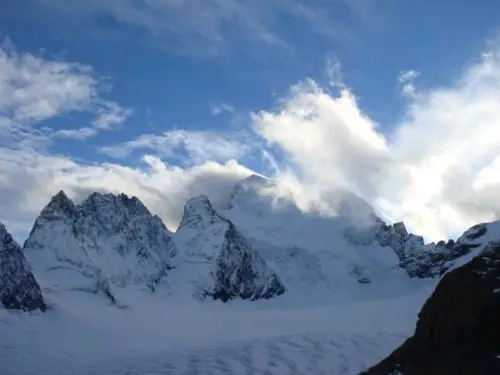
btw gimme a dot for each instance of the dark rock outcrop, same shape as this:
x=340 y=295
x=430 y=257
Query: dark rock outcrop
x=19 y=289
x=240 y=272
x=458 y=330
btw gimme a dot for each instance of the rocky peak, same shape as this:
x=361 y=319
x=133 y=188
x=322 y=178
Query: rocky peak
x=458 y=330
x=222 y=262
x=103 y=203
x=106 y=237
x=18 y=287
x=59 y=205
x=199 y=213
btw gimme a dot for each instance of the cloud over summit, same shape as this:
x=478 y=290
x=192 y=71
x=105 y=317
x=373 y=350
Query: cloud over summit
x=434 y=170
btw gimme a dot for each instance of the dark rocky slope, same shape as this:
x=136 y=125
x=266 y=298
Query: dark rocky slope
x=19 y=289
x=458 y=331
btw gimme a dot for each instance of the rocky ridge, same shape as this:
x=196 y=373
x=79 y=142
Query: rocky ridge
x=19 y=289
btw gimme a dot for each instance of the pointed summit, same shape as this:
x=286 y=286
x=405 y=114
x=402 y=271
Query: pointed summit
x=61 y=202
x=198 y=204
x=198 y=212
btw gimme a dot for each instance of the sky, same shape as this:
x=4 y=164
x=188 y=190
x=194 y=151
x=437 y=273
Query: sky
x=398 y=102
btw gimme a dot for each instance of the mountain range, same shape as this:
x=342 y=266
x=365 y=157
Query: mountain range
x=256 y=247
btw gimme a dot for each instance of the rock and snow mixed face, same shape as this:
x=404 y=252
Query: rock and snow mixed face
x=18 y=287
x=107 y=240
x=217 y=260
x=314 y=255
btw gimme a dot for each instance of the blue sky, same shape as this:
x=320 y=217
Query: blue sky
x=190 y=83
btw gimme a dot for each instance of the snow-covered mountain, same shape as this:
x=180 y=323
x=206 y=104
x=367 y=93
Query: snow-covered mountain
x=106 y=241
x=18 y=287
x=218 y=260
x=350 y=255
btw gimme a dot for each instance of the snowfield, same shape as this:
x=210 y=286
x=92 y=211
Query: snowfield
x=83 y=334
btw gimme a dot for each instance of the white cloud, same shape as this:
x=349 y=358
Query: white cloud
x=79 y=134
x=110 y=115
x=437 y=170
x=34 y=88
x=193 y=146
x=217 y=109
x=407 y=80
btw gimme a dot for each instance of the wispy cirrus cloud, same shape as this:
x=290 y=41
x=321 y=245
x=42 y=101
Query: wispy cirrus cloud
x=199 y=25
x=217 y=109
x=407 y=80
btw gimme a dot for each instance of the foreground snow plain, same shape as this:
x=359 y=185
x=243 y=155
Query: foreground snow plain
x=83 y=334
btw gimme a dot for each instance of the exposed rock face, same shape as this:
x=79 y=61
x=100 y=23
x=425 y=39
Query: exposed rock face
x=427 y=260
x=235 y=269
x=19 y=289
x=458 y=331
x=240 y=272
x=106 y=240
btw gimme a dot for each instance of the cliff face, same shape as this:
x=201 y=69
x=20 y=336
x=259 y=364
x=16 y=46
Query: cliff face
x=19 y=289
x=458 y=330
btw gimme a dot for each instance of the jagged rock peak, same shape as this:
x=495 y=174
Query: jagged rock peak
x=19 y=289
x=98 y=201
x=60 y=203
x=240 y=271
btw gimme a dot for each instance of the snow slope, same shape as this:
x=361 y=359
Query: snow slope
x=86 y=336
